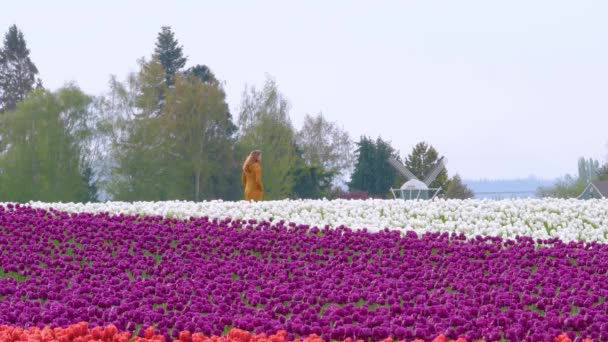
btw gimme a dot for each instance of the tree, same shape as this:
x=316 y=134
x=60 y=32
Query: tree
x=44 y=147
x=420 y=162
x=570 y=186
x=363 y=176
x=169 y=53
x=88 y=177
x=587 y=169
x=458 y=190
x=565 y=187
x=181 y=150
x=197 y=129
x=140 y=157
x=372 y=171
x=264 y=124
x=324 y=144
x=310 y=181
x=206 y=76
x=203 y=73
x=602 y=173
x=386 y=176
x=17 y=71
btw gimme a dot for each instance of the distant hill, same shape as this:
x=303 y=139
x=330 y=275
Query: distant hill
x=507 y=188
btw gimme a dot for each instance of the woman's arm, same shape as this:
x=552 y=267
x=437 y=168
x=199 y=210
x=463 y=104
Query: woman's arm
x=258 y=177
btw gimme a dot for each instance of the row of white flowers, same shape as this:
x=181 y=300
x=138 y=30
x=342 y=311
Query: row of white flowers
x=569 y=220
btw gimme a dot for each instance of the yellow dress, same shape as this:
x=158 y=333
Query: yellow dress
x=252 y=182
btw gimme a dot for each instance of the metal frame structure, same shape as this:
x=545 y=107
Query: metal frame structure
x=407 y=194
x=414 y=188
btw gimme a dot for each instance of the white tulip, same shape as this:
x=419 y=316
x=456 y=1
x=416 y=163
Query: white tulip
x=538 y=218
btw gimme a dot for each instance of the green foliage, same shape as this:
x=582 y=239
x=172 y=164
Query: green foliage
x=179 y=147
x=170 y=132
x=420 y=162
x=566 y=187
x=588 y=169
x=169 y=53
x=265 y=125
x=363 y=175
x=458 y=190
x=203 y=73
x=602 y=173
x=571 y=187
x=197 y=125
x=387 y=176
x=372 y=171
x=311 y=182
x=325 y=144
x=206 y=76
x=17 y=71
x=44 y=145
x=141 y=163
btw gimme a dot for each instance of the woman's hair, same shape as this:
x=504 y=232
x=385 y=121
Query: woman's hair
x=253 y=157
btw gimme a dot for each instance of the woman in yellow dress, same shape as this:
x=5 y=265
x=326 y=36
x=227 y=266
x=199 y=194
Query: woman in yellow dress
x=252 y=177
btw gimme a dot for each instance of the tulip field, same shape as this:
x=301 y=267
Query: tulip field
x=342 y=270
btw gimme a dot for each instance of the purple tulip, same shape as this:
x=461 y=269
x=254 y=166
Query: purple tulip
x=204 y=274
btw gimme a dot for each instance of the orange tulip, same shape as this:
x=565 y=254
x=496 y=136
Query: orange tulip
x=440 y=338
x=563 y=338
x=184 y=336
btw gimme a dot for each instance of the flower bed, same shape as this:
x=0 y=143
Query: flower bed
x=568 y=220
x=210 y=275
x=80 y=332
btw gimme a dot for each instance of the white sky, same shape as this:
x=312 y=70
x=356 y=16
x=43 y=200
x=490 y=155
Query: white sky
x=502 y=89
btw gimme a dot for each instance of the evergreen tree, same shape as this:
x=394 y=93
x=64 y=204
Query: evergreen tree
x=458 y=190
x=310 y=182
x=386 y=175
x=17 y=71
x=203 y=73
x=363 y=174
x=372 y=171
x=421 y=161
x=206 y=76
x=169 y=54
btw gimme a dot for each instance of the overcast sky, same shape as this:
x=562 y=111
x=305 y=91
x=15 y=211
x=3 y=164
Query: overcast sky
x=502 y=89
